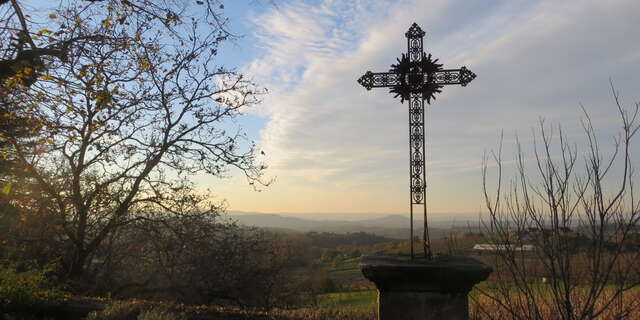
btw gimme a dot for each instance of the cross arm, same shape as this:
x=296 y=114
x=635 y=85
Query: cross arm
x=379 y=80
x=460 y=76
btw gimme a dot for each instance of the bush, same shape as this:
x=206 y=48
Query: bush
x=160 y=314
x=118 y=310
x=27 y=291
x=130 y=310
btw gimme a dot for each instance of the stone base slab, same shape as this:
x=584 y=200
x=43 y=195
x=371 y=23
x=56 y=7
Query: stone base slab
x=422 y=289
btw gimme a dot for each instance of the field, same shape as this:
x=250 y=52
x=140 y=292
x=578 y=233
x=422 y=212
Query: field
x=358 y=296
x=358 y=301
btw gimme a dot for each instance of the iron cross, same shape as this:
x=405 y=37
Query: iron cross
x=416 y=78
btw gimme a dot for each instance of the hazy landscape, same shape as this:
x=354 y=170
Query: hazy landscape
x=393 y=226
x=258 y=160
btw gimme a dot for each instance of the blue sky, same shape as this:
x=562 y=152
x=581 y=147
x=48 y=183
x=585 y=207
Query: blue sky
x=334 y=147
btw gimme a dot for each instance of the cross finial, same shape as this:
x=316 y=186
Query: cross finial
x=415 y=31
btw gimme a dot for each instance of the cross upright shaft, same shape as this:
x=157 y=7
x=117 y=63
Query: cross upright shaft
x=416 y=78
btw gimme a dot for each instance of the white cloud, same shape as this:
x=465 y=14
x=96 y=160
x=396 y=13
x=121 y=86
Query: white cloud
x=532 y=59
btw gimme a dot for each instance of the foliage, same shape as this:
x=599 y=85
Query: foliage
x=128 y=103
x=27 y=291
x=132 y=310
x=201 y=257
x=117 y=310
x=160 y=314
x=333 y=240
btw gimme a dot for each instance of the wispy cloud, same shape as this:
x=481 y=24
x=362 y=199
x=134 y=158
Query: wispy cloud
x=532 y=59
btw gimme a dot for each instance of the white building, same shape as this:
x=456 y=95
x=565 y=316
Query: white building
x=503 y=247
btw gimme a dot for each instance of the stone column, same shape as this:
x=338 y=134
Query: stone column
x=421 y=289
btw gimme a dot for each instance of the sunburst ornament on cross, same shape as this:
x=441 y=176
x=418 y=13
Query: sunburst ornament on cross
x=417 y=77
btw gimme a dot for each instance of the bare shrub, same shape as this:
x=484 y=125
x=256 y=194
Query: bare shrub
x=580 y=212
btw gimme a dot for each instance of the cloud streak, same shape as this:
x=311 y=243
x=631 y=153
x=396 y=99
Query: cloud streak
x=326 y=133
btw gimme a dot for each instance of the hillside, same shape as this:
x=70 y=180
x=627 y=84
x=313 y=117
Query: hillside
x=391 y=226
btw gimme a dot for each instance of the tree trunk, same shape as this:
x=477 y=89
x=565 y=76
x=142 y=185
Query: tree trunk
x=76 y=268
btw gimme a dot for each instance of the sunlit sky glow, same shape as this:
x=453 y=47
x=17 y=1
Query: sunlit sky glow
x=334 y=147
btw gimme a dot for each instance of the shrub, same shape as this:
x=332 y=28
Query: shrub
x=27 y=291
x=119 y=310
x=131 y=310
x=160 y=314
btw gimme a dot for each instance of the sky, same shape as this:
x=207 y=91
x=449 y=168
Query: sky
x=333 y=147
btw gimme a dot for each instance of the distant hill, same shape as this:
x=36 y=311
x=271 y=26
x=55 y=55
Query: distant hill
x=391 y=226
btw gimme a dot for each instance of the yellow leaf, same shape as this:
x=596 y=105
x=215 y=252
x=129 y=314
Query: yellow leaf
x=144 y=65
x=7 y=188
x=46 y=77
x=44 y=31
x=12 y=82
x=107 y=22
x=53 y=16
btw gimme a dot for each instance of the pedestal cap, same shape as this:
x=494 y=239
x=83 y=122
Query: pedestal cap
x=443 y=274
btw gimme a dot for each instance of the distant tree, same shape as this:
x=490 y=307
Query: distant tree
x=329 y=255
x=131 y=108
x=200 y=257
x=582 y=213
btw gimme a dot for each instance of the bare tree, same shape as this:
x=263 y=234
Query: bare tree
x=571 y=223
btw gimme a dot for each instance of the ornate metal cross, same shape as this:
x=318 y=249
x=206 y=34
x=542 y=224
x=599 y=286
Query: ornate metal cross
x=416 y=78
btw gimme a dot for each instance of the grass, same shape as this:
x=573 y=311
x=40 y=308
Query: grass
x=543 y=306
x=155 y=310
x=360 y=301
x=346 y=273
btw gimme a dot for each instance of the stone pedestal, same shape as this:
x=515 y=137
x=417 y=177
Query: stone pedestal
x=421 y=289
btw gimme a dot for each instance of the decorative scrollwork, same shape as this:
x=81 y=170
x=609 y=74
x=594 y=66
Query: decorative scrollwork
x=416 y=78
x=416 y=143
x=466 y=76
x=415 y=31
x=367 y=80
x=413 y=77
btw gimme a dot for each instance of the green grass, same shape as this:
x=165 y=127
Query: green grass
x=144 y=309
x=349 y=301
x=347 y=273
x=344 y=272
